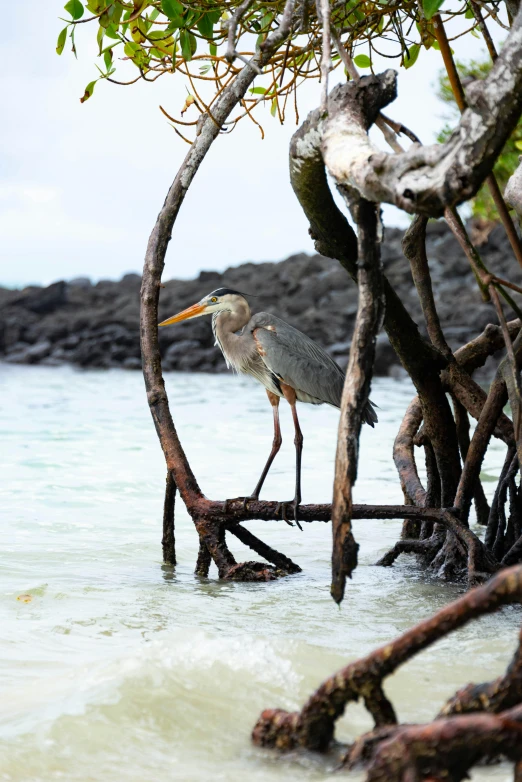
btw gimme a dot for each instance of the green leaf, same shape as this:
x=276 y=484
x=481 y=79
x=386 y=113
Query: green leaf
x=159 y=35
x=273 y=107
x=431 y=7
x=88 y=91
x=175 y=24
x=107 y=59
x=258 y=90
x=188 y=45
x=60 y=43
x=154 y=15
x=212 y=49
x=356 y=16
x=469 y=13
x=436 y=46
x=475 y=34
x=99 y=38
x=518 y=144
x=362 y=61
x=73 y=45
x=165 y=47
x=115 y=13
x=185 y=45
x=413 y=54
x=172 y=8
x=131 y=49
x=75 y=8
x=112 y=32
x=205 y=26
x=138 y=31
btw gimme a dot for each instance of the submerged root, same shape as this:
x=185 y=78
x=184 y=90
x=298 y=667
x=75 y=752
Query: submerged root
x=453 y=554
x=213 y=547
x=446 y=748
x=443 y=749
x=254 y=571
x=423 y=548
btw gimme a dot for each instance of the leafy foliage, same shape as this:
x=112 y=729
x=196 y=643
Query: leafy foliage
x=146 y=39
x=482 y=204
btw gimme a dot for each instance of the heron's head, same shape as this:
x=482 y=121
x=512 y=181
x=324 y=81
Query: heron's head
x=220 y=300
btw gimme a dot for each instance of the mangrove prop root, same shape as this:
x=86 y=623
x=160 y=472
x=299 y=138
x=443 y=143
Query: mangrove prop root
x=356 y=388
x=168 y=541
x=495 y=696
x=283 y=563
x=446 y=748
x=204 y=560
x=208 y=129
x=395 y=749
x=407 y=546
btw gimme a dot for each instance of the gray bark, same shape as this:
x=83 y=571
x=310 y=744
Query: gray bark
x=424 y=179
x=513 y=191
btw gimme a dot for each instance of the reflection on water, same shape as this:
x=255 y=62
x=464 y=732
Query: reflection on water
x=120 y=668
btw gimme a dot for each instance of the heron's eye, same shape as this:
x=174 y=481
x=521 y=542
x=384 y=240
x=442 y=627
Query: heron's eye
x=213 y=299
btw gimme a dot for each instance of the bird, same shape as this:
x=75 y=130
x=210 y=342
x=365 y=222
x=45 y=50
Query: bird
x=284 y=360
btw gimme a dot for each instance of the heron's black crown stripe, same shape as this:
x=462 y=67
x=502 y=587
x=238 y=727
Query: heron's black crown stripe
x=224 y=291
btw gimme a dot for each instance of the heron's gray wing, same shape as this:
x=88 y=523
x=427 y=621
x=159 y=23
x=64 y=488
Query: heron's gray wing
x=297 y=360
x=300 y=362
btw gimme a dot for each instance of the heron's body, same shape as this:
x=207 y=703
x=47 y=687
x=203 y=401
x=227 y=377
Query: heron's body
x=284 y=360
x=267 y=353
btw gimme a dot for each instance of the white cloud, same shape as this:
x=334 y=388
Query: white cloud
x=36 y=214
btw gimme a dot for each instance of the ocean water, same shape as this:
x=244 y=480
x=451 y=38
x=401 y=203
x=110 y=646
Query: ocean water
x=116 y=667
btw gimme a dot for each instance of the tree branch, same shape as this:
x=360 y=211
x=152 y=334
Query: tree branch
x=425 y=179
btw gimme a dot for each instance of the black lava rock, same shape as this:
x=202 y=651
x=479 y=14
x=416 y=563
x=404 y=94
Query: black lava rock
x=98 y=325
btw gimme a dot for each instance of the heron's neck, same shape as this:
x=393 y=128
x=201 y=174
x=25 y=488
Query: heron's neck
x=224 y=326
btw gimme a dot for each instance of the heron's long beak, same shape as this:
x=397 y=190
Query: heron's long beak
x=190 y=312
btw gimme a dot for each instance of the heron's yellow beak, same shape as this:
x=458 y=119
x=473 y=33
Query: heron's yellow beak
x=190 y=312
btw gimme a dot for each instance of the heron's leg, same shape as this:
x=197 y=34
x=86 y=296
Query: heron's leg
x=276 y=445
x=298 y=440
x=291 y=398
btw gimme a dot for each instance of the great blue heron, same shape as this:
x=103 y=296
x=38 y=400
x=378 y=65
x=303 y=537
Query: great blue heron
x=284 y=360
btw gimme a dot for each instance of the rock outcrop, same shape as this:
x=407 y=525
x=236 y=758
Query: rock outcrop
x=98 y=325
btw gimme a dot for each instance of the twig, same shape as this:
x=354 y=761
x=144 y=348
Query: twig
x=382 y=122
x=477 y=13
x=460 y=97
x=323 y=12
x=232 y=24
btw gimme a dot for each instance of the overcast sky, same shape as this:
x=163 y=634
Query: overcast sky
x=81 y=184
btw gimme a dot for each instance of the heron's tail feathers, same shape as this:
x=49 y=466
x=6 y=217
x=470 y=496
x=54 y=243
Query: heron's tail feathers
x=369 y=414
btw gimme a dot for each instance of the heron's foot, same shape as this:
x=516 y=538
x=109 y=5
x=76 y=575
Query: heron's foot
x=244 y=502
x=282 y=506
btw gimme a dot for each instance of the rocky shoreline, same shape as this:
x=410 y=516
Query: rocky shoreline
x=89 y=325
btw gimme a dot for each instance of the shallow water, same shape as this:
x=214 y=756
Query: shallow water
x=119 y=668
